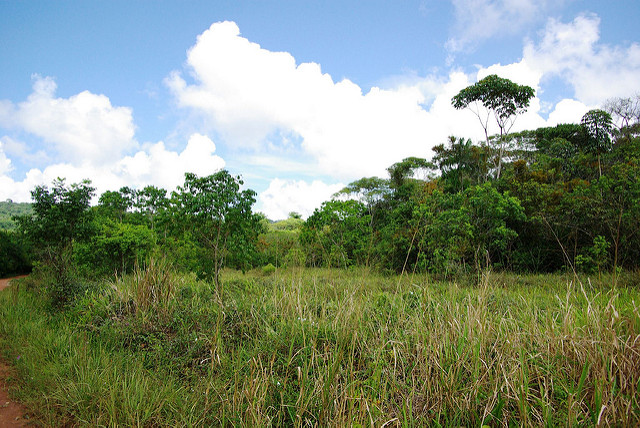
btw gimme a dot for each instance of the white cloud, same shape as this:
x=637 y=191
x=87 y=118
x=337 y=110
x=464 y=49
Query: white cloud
x=479 y=20
x=91 y=140
x=567 y=111
x=596 y=71
x=572 y=52
x=285 y=196
x=248 y=94
x=19 y=149
x=82 y=127
x=288 y=118
x=154 y=165
x=5 y=163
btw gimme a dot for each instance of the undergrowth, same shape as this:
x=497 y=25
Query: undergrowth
x=305 y=347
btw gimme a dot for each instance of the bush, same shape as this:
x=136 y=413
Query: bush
x=13 y=255
x=268 y=269
x=295 y=258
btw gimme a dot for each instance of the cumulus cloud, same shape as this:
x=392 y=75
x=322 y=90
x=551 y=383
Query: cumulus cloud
x=20 y=150
x=250 y=94
x=479 y=20
x=166 y=168
x=82 y=127
x=154 y=165
x=90 y=139
x=285 y=196
x=572 y=51
x=282 y=118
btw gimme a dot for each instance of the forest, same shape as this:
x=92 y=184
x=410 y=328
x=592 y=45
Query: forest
x=539 y=201
x=494 y=283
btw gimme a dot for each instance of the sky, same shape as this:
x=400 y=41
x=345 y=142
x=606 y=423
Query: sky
x=299 y=98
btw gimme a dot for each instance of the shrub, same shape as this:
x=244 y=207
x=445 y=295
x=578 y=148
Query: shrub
x=268 y=269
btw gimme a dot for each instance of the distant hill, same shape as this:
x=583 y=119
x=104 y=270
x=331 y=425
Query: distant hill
x=8 y=209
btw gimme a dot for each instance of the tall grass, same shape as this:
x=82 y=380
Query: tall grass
x=306 y=347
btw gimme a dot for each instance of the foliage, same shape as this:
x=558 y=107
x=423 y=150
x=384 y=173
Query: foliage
x=61 y=215
x=598 y=126
x=61 y=218
x=219 y=215
x=10 y=209
x=401 y=173
x=336 y=234
x=13 y=255
x=501 y=97
x=330 y=348
x=367 y=190
x=496 y=96
x=268 y=269
x=116 y=248
x=461 y=163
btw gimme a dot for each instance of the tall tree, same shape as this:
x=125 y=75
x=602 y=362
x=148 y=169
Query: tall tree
x=60 y=218
x=498 y=97
x=219 y=216
x=625 y=110
x=598 y=126
x=461 y=163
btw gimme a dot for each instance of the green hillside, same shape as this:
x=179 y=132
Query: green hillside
x=8 y=209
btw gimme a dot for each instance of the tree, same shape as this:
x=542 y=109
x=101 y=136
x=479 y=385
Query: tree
x=151 y=202
x=598 y=125
x=496 y=96
x=461 y=163
x=115 y=204
x=61 y=218
x=219 y=216
x=404 y=171
x=625 y=110
x=13 y=254
x=337 y=233
x=368 y=190
x=60 y=215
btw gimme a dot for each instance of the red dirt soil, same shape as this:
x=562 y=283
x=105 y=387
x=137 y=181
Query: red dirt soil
x=11 y=412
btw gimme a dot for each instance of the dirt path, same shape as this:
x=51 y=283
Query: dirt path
x=11 y=412
x=4 y=283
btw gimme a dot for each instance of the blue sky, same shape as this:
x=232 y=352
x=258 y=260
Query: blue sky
x=300 y=98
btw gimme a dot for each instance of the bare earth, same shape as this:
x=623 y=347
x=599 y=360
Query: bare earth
x=11 y=412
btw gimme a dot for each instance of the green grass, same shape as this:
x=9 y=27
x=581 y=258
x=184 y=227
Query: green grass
x=305 y=347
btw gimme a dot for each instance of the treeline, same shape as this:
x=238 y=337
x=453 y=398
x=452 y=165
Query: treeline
x=564 y=197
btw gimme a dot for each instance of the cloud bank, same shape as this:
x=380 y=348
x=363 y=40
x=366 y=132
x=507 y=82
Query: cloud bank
x=89 y=138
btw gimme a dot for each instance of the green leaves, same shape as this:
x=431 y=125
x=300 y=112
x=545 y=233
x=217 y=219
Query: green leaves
x=338 y=233
x=60 y=215
x=599 y=127
x=219 y=215
x=502 y=96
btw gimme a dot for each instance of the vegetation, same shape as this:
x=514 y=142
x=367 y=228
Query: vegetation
x=14 y=251
x=9 y=209
x=495 y=284
x=330 y=348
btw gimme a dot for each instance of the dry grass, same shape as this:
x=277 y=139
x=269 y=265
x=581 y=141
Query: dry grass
x=350 y=348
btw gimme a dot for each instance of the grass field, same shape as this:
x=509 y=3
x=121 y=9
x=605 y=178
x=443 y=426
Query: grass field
x=307 y=347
